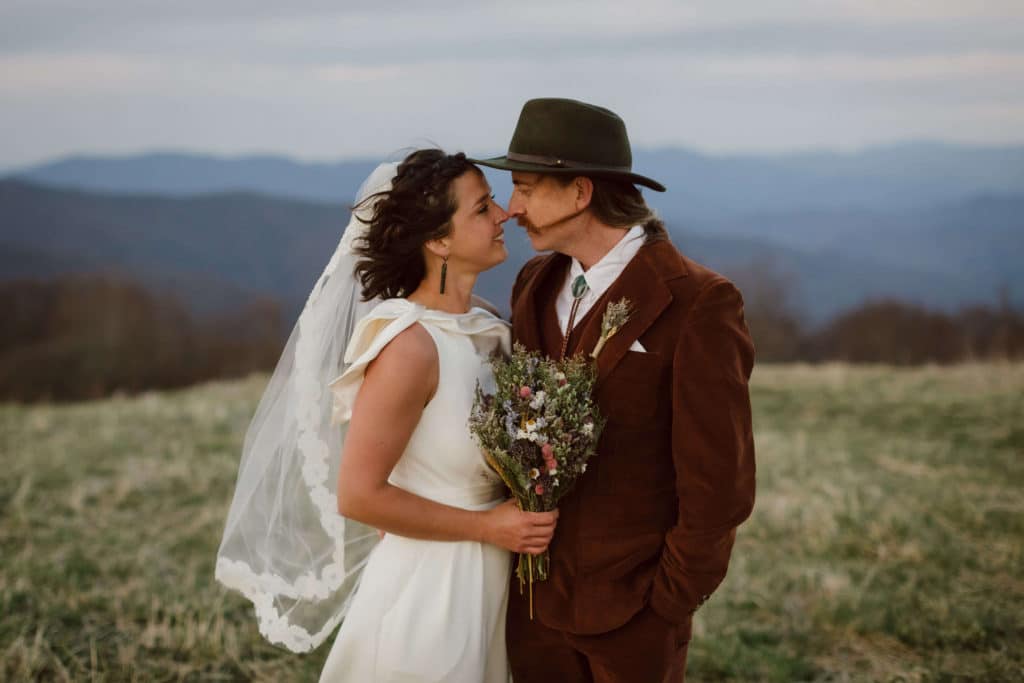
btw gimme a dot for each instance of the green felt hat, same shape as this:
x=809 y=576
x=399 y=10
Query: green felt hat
x=555 y=135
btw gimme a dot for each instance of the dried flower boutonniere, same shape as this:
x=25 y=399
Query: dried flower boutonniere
x=615 y=316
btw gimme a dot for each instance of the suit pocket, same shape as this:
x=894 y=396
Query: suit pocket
x=621 y=553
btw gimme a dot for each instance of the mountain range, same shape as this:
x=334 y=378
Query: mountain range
x=935 y=224
x=910 y=175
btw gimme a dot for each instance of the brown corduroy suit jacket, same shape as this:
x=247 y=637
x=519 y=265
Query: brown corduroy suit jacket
x=653 y=520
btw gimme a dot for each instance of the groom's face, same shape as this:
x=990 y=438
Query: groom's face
x=541 y=205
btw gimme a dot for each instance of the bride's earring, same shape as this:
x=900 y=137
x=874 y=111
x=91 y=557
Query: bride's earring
x=444 y=272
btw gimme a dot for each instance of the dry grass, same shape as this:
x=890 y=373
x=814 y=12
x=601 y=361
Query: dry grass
x=887 y=543
x=888 y=539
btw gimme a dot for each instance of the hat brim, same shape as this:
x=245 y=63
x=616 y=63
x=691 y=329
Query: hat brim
x=506 y=164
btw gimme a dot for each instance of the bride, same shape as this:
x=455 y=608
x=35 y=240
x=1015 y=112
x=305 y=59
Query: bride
x=386 y=447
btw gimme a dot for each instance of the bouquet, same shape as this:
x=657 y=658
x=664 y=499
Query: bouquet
x=540 y=427
x=537 y=431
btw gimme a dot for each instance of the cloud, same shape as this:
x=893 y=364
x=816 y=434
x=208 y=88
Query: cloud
x=912 y=69
x=321 y=81
x=388 y=32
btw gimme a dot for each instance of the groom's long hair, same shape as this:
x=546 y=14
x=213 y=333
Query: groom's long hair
x=620 y=204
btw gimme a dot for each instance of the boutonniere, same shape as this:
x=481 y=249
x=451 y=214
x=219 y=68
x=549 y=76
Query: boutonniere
x=615 y=316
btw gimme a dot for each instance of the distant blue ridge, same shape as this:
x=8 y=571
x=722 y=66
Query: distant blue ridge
x=939 y=225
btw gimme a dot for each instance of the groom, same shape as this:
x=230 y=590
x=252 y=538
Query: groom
x=645 y=537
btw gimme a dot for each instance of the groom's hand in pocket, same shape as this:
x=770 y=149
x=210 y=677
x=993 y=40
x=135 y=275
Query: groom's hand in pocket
x=509 y=527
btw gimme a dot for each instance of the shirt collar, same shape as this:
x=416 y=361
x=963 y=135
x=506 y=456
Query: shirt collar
x=602 y=274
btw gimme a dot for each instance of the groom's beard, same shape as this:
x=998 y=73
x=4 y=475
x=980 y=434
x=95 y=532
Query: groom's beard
x=531 y=227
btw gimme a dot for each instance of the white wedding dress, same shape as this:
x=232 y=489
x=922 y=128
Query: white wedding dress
x=427 y=611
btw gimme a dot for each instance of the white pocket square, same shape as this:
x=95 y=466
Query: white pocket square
x=638 y=347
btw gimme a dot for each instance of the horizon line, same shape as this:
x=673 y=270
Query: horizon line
x=186 y=152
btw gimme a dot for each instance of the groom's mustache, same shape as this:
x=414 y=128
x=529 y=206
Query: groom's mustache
x=523 y=222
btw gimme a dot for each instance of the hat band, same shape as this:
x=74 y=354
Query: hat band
x=556 y=162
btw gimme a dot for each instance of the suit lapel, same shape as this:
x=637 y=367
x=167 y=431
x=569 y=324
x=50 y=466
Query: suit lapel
x=642 y=282
x=529 y=307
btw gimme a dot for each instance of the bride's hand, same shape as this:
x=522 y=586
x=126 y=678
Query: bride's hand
x=509 y=527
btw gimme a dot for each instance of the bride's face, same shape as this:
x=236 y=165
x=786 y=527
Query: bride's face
x=477 y=238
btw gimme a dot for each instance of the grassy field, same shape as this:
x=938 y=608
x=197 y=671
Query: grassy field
x=887 y=542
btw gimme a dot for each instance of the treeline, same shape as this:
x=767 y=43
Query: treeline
x=886 y=331
x=86 y=337
x=892 y=332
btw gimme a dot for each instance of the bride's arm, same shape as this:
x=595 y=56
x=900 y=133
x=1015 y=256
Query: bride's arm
x=397 y=386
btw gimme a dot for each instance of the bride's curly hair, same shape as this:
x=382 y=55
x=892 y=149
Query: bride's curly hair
x=418 y=208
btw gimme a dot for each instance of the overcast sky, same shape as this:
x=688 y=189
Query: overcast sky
x=333 y=80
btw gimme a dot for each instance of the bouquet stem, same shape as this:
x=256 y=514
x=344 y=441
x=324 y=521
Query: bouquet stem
x=530 y=560
x=534 y=568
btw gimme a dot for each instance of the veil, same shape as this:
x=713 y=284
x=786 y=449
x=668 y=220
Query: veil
x=285 y=547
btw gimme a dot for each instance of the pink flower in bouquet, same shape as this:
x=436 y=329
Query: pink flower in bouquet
x=539 y=489
x=547 y=451
x=525 y=392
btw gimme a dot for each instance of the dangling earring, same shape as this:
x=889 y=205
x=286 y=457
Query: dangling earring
x=444 y=272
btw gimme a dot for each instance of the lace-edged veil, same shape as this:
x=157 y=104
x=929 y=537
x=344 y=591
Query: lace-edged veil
x=285 y=547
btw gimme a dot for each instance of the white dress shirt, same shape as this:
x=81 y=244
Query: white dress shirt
x=599 y=277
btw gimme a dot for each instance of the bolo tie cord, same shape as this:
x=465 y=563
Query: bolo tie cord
x=579 y=289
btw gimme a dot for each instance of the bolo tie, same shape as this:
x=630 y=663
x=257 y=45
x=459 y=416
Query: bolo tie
x=579 y=289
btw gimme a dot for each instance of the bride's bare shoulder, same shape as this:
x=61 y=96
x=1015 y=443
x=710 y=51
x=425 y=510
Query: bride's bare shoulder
x=411 y=351
x=405 y=372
